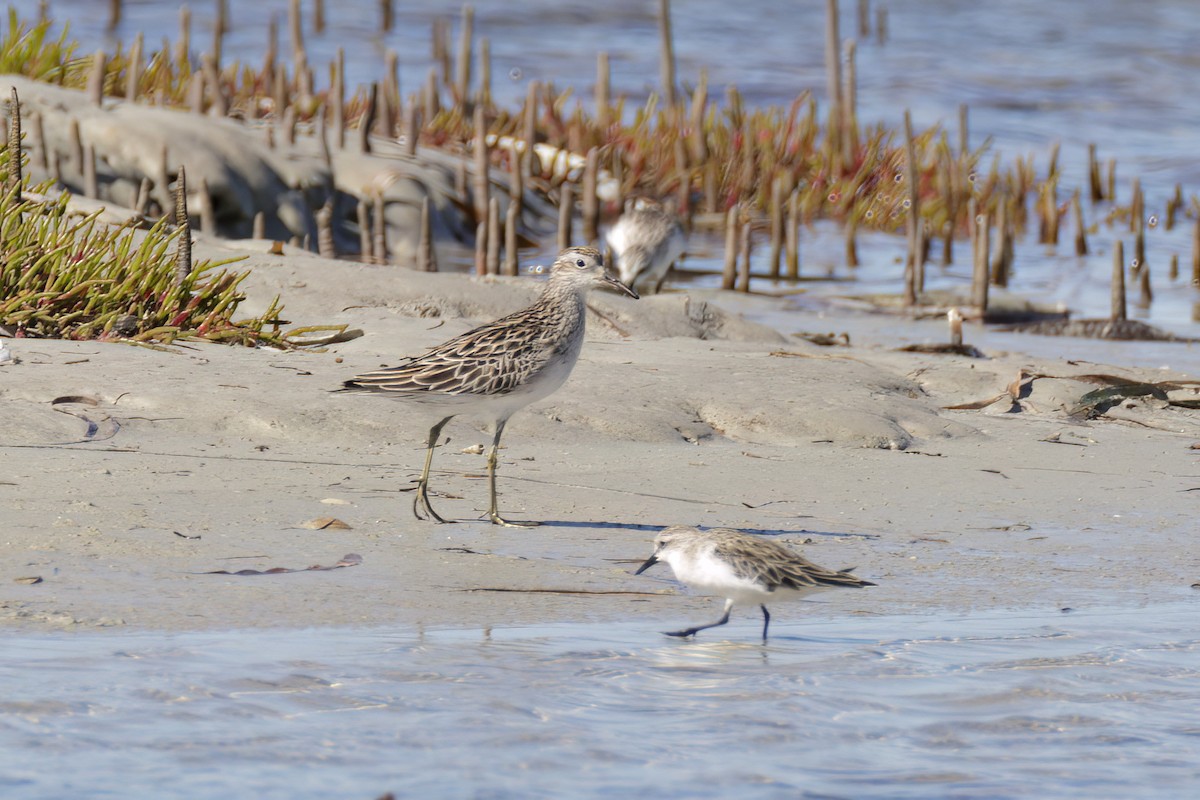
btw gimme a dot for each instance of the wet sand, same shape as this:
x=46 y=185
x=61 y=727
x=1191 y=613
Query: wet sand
x=216 y=458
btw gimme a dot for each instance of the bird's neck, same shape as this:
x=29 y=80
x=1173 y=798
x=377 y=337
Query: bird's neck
x=565 y=304
x=564 y=292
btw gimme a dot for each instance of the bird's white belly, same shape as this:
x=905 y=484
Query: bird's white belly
x=546 y=383
x=618 y=236
x=712 y=575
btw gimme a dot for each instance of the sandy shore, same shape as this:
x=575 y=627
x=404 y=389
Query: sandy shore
x=218 y=458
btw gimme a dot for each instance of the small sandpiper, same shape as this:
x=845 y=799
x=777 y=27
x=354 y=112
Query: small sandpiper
x=742 y=569
x=646 y=242
x=498 y=368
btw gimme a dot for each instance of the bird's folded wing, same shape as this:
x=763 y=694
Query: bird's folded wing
x=492 y=359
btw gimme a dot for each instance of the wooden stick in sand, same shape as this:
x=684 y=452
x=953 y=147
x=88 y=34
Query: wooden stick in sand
x=729 y=274
x=1118 y=282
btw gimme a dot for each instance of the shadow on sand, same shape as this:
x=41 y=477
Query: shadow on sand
x=636 y=526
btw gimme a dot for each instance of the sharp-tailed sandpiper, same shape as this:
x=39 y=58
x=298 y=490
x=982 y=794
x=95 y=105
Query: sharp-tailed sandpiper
x=498 y=368
x=742 y=569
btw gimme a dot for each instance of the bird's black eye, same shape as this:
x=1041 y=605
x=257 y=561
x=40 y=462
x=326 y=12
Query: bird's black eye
x=579 y=262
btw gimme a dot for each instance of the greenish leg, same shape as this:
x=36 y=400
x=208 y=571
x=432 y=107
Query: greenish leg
x=493 y=512
x=421 y=501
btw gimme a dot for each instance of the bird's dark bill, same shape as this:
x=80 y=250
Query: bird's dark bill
x=650 y=562
x=609 y=279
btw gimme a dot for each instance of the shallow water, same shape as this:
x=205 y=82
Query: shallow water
x=1122 y=75
x=1093 y=702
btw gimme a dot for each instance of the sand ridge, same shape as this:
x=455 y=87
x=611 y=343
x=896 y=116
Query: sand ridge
x=207 y=458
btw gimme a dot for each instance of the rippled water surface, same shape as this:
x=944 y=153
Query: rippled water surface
x=1120 y=74
x=1097 y=702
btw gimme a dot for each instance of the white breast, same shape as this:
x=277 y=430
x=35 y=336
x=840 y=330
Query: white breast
x=707 y=573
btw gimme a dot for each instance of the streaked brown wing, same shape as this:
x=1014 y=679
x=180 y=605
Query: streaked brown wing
x=491 y=359
x=777 y=565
